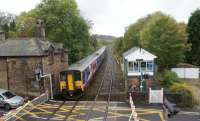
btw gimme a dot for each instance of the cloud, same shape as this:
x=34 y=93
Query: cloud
x=17 y=6
x=112 y=16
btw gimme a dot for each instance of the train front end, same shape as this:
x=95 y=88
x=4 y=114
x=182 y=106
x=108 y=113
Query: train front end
x=71 y=83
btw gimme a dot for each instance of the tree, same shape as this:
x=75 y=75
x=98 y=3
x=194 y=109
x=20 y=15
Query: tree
x=63 y=23
x=161 y=35
x=94 y=41
x=193 y=30
x=132 y=34
x=6 y=22
x=119 y=46
x=26 y=24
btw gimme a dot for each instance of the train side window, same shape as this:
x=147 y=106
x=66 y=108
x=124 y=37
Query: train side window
x=88 y=71
x=84 y=76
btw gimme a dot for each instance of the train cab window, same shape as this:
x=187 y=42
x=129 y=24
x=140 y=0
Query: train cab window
x=77 y=75
x=63 y=76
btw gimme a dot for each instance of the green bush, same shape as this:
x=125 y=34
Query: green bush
x=186 y=92
x=167 y=78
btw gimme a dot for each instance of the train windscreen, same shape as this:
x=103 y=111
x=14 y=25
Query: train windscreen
x=77 y=75
x=63 y=76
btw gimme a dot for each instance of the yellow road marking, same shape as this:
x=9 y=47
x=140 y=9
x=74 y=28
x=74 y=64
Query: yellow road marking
x=30 y=113
x=19 y=118
x=161 y=116
x=58 y=115
x=80 y=110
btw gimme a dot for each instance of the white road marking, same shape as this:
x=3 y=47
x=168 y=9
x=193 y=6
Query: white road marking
x=189 y=113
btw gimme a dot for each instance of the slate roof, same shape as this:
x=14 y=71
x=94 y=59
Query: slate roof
x=27 y=47
x=130 y=51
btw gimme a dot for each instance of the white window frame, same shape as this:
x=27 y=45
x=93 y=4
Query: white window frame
x=138 y=63
x=144 y=67
x=152 y=66
x=129 y=68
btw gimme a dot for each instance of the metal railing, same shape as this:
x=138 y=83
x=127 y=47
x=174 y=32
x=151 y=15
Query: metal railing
x=16 y=114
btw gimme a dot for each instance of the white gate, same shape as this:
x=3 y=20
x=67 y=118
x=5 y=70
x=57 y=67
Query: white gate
x=156 y=96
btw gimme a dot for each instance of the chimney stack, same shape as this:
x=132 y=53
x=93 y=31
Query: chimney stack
x=40 y=29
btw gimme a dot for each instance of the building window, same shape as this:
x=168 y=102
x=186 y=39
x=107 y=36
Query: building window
x=136 y=67
x=143 y=66
x=130 y=66
x=150 y=66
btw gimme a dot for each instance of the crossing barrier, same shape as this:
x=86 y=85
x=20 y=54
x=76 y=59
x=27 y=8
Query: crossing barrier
x=16 y=114
x=134 y=113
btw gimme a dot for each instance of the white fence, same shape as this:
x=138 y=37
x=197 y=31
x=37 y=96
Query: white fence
x=21 y=111
x=156 y=96
x=188 y=73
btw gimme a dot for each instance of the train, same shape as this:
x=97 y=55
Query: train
x=76 y=78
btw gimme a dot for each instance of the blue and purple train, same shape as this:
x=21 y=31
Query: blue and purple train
x=75 y=79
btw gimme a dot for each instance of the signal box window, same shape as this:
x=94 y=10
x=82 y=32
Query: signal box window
x=136 y=67
x=143 y=66
x=130 y=66
x=150 y=66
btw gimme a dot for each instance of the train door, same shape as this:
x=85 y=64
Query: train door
x=63 y=81
x=78 y=80
x=86 y=76
x=70 y=82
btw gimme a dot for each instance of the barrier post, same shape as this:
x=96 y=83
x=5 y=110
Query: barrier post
x=133 y=113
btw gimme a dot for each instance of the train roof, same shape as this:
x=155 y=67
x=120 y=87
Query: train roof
x=85 y=62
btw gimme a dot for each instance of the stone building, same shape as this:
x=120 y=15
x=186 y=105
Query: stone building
x=21 y=58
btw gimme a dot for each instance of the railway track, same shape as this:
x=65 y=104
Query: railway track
x=105 y=87
x=109 y=71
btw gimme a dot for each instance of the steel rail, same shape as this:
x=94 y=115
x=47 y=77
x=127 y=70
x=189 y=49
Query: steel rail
x=108 y=68
x=109 y=96
x=97 y=95
x=108 y=101
x=71 y=110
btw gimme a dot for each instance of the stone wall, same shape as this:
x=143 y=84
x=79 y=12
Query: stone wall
x=18 y=73
x=59 y=64
x=3 y=74
x=21 y=75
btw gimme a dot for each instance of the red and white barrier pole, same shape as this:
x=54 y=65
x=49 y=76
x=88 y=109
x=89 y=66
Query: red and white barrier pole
x=133 y=113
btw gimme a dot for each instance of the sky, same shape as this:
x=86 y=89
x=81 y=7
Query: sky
x=111 y=17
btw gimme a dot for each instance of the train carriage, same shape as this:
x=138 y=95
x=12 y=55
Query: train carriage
x=75 y=79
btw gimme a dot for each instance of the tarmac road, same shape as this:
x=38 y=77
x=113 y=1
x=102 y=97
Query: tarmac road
x=2 y=111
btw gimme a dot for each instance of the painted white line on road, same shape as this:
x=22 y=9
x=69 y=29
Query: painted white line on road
x=55 y=101
x=189 y=113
